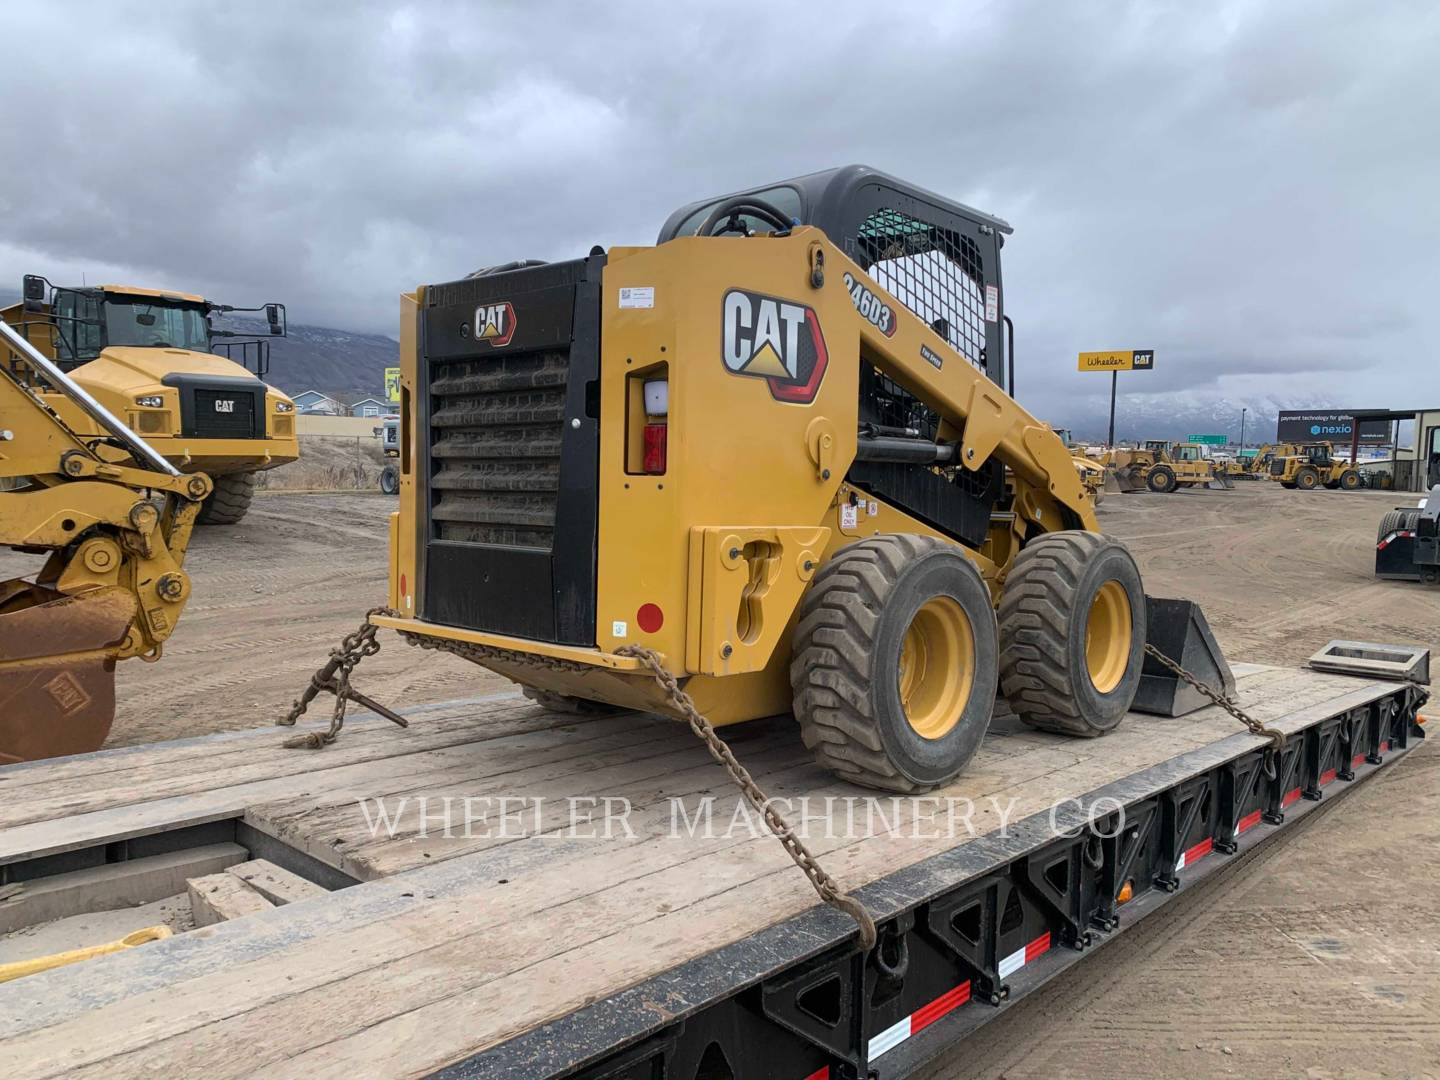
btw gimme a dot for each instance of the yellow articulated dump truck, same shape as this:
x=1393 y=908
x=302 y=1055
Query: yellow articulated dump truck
x=769 y=451
x=154 y=360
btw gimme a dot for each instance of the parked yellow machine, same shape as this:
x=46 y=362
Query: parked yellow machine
x=1163 y=467
x=780 y=467
x=150 y=357
x=1314 y=465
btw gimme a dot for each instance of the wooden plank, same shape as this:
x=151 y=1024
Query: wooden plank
x=114 y=885
x=275 y=883
x=218 y=898
x=138 y=814
x=200 y=750
x=81 y=795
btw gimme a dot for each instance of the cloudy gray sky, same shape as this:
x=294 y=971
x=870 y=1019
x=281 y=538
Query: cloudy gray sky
x=1248 y=188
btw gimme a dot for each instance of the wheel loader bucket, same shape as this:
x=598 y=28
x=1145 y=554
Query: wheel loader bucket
x=57 y=668
x=1111 y=484
x=1130 y=478
x=1221 y=482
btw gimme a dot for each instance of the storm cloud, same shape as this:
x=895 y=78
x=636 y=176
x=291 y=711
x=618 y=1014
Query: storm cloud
x=1245 y=188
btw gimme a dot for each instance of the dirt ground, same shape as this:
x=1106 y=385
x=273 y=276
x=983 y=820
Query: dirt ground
x=1318 y=958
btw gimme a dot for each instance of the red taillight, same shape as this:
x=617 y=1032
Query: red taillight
x=654 y=457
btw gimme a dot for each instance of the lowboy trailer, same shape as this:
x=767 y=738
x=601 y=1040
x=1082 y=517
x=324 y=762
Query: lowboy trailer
x=649 y=952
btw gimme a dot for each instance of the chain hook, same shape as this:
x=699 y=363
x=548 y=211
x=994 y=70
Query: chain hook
x=334 y=677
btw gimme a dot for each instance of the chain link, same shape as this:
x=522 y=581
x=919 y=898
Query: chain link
x=334 y=677
x=1276 y=737
x=824 y=884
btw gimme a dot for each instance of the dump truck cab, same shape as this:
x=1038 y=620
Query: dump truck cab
x=154 y=358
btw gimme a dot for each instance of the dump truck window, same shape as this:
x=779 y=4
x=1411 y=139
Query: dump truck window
x=156 y=324
x=77 y=318
x=936 y=273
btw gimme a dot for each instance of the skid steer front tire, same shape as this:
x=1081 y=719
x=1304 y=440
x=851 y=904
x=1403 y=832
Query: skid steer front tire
x=894 y=662
x=1072 y=633
x=229 y=501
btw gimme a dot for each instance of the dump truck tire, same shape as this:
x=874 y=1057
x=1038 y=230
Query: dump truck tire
x=1161 y=480
x=1072 y=633
x=894 y=662
x=564 y=703
x=1349 y=480
x=390 y=479
x=229 y=501
x=1307 y=479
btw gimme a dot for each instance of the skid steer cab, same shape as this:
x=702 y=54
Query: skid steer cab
x=774 y=449
x=1314 y=465
x=162 y=363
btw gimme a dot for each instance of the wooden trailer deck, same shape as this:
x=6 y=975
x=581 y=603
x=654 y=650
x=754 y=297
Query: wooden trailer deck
x=449 y=946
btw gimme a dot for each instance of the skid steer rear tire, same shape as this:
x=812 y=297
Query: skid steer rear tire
x=1349 y=480
x=1161 y=480
x=1072 y=633
x=229 y=501
x=894 y=662
x=569 y=706
x=1307 y=479
x=390 y=479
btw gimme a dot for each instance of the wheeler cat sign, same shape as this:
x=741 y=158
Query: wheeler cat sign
x=1118 y=360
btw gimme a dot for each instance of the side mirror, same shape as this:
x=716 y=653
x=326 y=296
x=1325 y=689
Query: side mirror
x=32 y=288
x=275 y=316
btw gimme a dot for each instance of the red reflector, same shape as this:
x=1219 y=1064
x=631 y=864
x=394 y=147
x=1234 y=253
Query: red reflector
x=654 y=459
x=650 y=618
x=402 y=588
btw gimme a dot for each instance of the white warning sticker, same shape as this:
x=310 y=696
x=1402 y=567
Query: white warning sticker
x=992 y=304
x=872 y=508
x=618 y=628
x=849 y=516
x=637 y=296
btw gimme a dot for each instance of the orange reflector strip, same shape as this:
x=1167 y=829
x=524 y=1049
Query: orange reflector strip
x=1126 y=892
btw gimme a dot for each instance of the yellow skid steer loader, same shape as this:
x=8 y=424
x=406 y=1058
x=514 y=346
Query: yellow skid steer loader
x=769 y=450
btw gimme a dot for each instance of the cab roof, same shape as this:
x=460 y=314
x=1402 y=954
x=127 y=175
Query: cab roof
x=837 y=200
x=159 y=294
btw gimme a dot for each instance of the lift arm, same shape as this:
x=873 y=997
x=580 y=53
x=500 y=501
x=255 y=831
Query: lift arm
x=112 y=586
x=986 y=421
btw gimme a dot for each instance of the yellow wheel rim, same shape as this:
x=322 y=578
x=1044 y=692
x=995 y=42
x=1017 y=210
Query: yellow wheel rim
x=937 y=667
x=1107 y=636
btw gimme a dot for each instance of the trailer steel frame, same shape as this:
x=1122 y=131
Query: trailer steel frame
x=964 y=934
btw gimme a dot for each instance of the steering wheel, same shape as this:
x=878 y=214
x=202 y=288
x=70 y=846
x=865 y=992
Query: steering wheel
x=731 y=209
